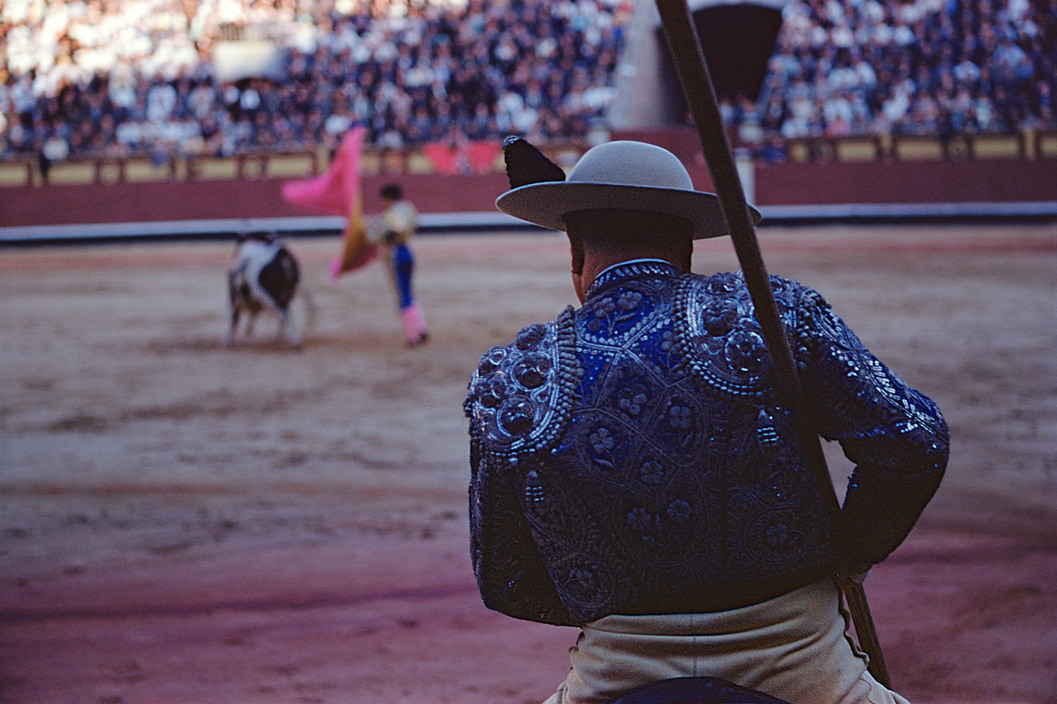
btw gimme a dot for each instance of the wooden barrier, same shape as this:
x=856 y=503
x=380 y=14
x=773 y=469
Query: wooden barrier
x=890 y=169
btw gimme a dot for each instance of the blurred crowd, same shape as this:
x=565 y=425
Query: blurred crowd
x=934 y=67
x=140 y=77
x=109 y=77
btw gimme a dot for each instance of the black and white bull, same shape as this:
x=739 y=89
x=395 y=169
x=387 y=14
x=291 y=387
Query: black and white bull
x=265 y=276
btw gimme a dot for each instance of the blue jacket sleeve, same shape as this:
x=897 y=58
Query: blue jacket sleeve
x=895 y=435
x=507 y=564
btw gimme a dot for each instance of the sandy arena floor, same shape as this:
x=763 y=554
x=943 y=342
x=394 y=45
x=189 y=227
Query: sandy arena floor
x=183 y=523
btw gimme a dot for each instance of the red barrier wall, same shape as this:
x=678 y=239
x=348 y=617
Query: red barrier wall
x=991 y=181
x=1000 y=180
x=198 y=200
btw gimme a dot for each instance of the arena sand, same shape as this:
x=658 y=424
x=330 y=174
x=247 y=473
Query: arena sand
x=184 y=523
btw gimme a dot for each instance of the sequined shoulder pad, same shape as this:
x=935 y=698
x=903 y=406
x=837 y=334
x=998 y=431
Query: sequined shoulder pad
x=521 y=395
x=718 y=334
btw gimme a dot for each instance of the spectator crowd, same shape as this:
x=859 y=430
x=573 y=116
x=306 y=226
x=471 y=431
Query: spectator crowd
x=934 y=67
x=100 y=77
x=140 y=77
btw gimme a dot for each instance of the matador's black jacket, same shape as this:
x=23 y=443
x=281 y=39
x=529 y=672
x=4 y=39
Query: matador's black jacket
x=632 y=457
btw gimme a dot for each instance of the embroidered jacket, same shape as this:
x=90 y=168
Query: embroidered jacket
x=631 y=456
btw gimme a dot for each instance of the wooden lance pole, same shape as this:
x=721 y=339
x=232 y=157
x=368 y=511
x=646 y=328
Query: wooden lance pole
x=704 y=107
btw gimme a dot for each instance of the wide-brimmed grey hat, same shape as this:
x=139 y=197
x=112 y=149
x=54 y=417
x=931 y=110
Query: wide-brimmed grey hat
x=626 y=175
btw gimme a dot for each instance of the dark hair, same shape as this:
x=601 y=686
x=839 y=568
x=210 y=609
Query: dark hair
x=392 y=191
x=616 y=234
x=617 y=227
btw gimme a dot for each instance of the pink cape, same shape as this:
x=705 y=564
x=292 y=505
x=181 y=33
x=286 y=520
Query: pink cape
x=338 y=192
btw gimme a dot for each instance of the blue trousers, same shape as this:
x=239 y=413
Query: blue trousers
x=403 y=266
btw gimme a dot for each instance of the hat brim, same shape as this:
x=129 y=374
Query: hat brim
x=547 y=203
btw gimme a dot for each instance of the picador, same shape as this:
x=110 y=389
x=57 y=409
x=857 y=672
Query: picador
x=635 y=474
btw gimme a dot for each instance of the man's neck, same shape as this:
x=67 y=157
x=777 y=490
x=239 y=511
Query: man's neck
x=599 y=271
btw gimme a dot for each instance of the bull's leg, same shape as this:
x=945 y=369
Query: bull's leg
x=250 y=320
x=229 y=338
x=288 y=328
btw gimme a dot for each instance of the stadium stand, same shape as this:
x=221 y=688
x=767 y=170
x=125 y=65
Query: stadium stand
x=144 y=78
x=173 y=110
x=933 y=67
x=140 y=78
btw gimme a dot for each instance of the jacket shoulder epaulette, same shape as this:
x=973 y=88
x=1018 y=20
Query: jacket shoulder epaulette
x=720 y=338
x=521 y=395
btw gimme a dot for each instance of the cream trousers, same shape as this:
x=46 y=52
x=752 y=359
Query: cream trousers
x=793 y=647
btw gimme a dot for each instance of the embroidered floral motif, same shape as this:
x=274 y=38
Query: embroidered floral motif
x=632 y=400
x=491 y=391
x=530 y=337
x=600 y=312
x=602 y=442
x=582 y=578
x=603 y=307
x=491 y=360
x=771 y=536
x=680 y=417
x=719 y=317
x=744 y=351
x=777 y=535
x=639 y=520
x=516 y=414
x=627 y=303
x=651 y=473
x=722 y=283
x=532 y=370
x=584 y=581
x=679 y=511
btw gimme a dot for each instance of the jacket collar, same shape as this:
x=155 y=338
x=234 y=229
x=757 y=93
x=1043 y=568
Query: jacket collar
x=630 y=269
